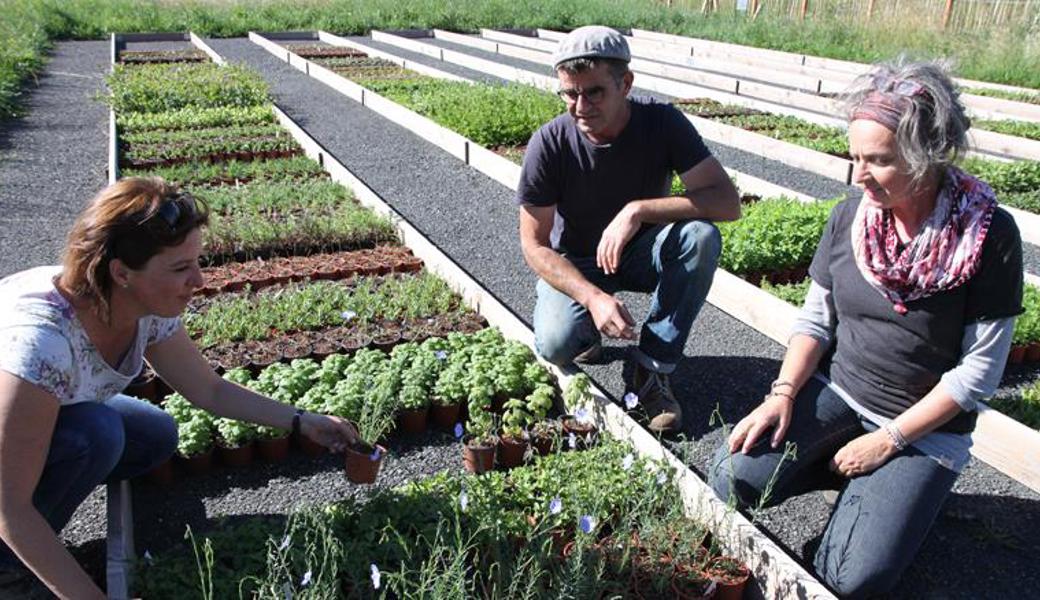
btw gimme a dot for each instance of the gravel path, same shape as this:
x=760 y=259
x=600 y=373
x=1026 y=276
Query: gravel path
x=472 y=219
x=55 y=158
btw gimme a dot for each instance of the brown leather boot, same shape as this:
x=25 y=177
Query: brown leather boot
x=657 y=400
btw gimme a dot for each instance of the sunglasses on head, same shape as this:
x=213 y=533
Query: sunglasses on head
x=901 y=87
x=175 y=214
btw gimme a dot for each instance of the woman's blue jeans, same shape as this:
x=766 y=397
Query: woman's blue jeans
x=675 y=261
x=95 y=443
x=881 y=518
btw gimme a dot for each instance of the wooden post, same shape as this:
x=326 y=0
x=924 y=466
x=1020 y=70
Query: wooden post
x=870 y=9
x=947 y=13
x=805 y=7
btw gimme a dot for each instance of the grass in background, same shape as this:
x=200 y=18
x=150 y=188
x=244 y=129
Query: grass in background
x=1007 y=54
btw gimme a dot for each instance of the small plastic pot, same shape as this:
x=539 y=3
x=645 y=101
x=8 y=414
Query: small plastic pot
x=730 y=585
x=236 y=457
x=198 y=464
x=1033 y=352
x=445 y=417
x=413 y=421
x=511 y=451
x=363 y=462
x=478 y=458
x=273 y=449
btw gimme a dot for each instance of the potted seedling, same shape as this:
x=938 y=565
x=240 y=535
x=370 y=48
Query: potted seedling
x=235 y=447
x=514 y=442
x=448 y=394
x=580 y=423
x=478 y=449
x=272 y=443
x=375 y=418
x=195 y=444
x=414 y=409
x=730 y=576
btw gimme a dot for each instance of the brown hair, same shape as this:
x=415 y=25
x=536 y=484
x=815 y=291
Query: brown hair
x=119 y=223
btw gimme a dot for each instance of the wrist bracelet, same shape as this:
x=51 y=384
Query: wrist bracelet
x=781 y=395
x=296 y=421
x=897 y=436
x=780 y=382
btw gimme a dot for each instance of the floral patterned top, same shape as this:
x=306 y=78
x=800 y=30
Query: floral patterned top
x=42 y=341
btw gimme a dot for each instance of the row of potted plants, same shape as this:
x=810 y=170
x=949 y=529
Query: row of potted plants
x=1023 y=406
x=1029 y=97
x=137 y=57
x=234 y=172
x=595 y=524
x=161 y=88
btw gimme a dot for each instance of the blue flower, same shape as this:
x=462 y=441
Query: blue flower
x=631 y=400
x=463 y=500
x=285 y=543
x=441 y=354
x=582 y=415
x=459 y=430
x=662 y=477
x=376 y=453
x=587 y=523
x=626 y=463
x=572 y=440
x=306 y=579
x=347 y=315
x=375 y=576
x=555 y=506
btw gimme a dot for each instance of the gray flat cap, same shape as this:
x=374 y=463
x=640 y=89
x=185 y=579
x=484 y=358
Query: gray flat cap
x=592 y=41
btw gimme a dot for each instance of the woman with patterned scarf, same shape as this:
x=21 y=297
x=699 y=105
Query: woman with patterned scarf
x=906 y=326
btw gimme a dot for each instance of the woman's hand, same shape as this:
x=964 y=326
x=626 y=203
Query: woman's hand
x=863 y=454
x=775 y=412
x=332 y=432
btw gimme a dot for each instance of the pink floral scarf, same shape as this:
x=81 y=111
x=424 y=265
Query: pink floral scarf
x=945 y=252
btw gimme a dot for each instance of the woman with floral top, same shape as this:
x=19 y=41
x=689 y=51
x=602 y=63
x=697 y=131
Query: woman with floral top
x=72 y=337
x=915 y=289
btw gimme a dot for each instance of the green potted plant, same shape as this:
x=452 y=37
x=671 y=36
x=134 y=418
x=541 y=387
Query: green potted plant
x=235 y=447
x=478 y=447
x=514 y=441
x=449 y=393
x=730 y=576
x=272 y=443
x=543 y=433
x=195 y=445
x=577 y=397
x=375 y=418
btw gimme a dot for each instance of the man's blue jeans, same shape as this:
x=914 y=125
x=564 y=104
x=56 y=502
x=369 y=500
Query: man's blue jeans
x=881 y=518
x=675 y=261
x=94 y=443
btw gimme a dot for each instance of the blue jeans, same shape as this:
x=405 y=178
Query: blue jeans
x=95 y=443
x=881 y=518
x=675 y=261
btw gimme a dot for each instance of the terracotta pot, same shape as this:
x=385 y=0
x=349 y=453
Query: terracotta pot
x=273 y=449
x=684 y=588
x=1033 y=352
x=309 y=446
x=162 y=474
x=478 y=459
x=445 y=417
x=1017 y=354
x=511 y=451
x=363 y=462
x=236 y=457
x=199 y=464
x=543 y=445
x=233 y=285
x=585 y=433
x=729 y=586
x=413 y=420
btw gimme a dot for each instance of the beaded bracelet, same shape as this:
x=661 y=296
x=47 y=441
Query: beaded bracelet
x=780 y=394
x=780 y=382
x=897 y=436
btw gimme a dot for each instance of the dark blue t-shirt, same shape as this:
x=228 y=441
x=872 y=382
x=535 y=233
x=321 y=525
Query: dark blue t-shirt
x=590 y=184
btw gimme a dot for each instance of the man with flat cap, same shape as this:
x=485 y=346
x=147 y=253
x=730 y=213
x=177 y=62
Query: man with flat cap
x=597 y=216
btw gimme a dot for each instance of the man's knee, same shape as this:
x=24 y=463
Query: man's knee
x=700 y=245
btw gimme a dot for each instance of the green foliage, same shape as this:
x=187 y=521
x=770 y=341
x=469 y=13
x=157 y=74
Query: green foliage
x=773 y=234
x=491 y=115
x=1029 y=97
x=236 y=433
x=194 y=436
x=1016 y=183
x=159 y=88
x=1025 y=129
x=1024 y=408
x=194 y=174
x=1027 y=325
x=792 y=293
x=192 y=117
x=578 y=392
x=317 y=305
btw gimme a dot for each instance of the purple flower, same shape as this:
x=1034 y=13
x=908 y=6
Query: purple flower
x=631 y=400
x=306 y=579
x=555 y=506
x=459 y=430
x=376 y=453
x=626 y=463
x=662 y=477
x=441 y=354
x=375 y=576
x=582 y=416
x=347 y=315
x=587 y=523
x=463 y=500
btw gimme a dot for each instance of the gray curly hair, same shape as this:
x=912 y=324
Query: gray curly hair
x=923 y=108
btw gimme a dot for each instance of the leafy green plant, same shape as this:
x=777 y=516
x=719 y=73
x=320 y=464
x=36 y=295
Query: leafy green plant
x=159 y=88
x=792 y=293
x=194 y=437
x=1027 y=325
x=1025 y=129
x=236 y=434
x=1016 y=183
x=1029 y=97
x=297 y=168
x=773 y=234
x=192 y=117
x=1024 y=407
x=578 y=392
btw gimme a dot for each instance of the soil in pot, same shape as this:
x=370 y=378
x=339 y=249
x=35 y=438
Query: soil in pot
x=445 y=416
x=478 y=457
x=198 y=464
x=511 y=451
x=730 y=576
x=363 y=462
x=413 y=421
x=236 y=457
x=273 y=449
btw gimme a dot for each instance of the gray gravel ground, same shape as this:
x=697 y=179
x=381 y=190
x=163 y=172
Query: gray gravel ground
x=55 y=158
x=473 y=220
